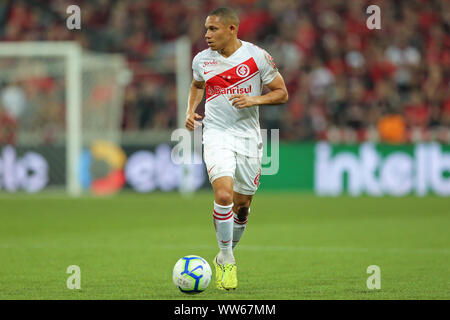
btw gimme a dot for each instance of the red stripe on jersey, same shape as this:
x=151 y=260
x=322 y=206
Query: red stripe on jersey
x=230 y=77
x=216 y=95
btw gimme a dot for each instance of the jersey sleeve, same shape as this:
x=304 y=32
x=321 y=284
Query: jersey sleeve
x=267 y=66
x=196 y=72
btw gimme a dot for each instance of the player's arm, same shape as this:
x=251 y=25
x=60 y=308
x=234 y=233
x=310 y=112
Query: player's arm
x=278 y=95
x=196 y=92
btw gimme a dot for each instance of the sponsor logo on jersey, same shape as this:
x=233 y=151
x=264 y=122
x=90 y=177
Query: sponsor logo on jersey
x=270 y=60
x=209 y=63
x=232 y=81
x=235 y=90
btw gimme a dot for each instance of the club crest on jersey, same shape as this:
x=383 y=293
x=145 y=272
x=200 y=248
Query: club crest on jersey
x=242 y=70
x=258 y=176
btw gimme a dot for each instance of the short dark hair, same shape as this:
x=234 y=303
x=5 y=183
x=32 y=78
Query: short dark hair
x=226 y=14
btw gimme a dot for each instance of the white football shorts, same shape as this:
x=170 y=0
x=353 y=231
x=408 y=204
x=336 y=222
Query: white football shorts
x=222 y=158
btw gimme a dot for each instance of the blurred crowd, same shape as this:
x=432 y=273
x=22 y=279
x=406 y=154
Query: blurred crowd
x=345 y=81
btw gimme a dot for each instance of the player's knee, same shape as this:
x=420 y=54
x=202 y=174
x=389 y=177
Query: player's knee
x=242 y=212
x=224 y=197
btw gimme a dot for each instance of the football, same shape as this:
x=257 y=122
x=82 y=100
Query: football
x=192 y=274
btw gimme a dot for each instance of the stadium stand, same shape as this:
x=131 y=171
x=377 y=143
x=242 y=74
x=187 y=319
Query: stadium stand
x=346 y=83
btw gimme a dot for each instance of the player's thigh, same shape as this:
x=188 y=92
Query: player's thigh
x=220 y=162
x=247 y=175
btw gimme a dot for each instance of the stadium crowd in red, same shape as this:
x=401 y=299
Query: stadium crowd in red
x=346 y=82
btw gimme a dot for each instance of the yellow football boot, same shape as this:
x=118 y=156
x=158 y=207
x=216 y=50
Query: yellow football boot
x=229 y=281
x=220 y=270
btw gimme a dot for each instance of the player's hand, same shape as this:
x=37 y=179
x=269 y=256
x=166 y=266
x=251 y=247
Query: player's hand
x=191 y=122
x=241 y=101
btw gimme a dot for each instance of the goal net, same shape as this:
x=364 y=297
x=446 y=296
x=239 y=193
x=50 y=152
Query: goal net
x=55 y=99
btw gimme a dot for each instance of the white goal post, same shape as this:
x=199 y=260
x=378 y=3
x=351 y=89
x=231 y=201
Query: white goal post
x=83 y=93
x=71 y=52
x=62 y=99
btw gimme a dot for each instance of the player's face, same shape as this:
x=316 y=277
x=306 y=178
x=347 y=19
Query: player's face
x=218 y=34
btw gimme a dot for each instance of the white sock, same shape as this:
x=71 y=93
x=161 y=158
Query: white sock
x=223 y=223
x=238 y=228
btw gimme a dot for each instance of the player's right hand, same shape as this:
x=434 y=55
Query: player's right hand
x=191 y=122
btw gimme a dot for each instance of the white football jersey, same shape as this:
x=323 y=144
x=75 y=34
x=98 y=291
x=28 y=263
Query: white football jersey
x=244 y=72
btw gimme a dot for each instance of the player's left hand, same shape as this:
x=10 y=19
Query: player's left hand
x=241 y=101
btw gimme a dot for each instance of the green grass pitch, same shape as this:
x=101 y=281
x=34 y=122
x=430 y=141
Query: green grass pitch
x=296 y=246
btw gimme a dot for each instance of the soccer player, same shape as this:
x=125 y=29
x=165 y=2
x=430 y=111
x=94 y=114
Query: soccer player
x=233 y=73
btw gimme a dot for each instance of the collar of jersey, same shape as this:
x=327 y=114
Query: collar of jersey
x=234 y=53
